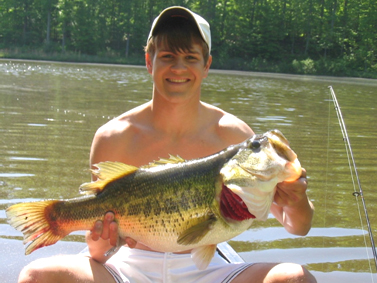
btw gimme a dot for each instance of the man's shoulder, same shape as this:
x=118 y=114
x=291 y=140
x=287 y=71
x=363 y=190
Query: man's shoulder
x=123 y=124
x=234 y=129
x=229 y=127
x=115 y=127
x=117 y=139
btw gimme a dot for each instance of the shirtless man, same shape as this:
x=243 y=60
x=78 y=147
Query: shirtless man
x=175 y=122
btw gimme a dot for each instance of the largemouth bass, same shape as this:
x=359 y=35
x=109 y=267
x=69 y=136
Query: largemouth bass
x=171 y=205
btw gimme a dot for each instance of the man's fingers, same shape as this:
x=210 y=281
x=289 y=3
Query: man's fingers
x=109 y=218
x=130 y=242
x=303 y=173
x=97 y=230
x=113 y=235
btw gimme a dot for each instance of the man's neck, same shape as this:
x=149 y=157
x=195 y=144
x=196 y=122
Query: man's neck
x=176 y=118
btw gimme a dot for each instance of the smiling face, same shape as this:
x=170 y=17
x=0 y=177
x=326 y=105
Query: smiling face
x=177 y=75
x=178 y=60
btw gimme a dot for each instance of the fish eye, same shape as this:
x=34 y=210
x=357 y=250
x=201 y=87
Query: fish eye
x=255 y=145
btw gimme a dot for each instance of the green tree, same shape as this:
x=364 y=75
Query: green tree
x=337 y=34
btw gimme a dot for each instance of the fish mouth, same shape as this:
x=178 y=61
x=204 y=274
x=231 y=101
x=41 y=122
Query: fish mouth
x=255 y=173
x=281 y=145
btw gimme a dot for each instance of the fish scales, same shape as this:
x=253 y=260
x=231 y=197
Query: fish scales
x=171 y=205
x=173 y=202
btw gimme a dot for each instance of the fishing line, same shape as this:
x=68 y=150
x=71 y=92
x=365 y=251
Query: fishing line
x=353 y=169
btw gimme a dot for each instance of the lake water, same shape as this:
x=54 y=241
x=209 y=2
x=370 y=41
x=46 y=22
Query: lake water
x=50 y=111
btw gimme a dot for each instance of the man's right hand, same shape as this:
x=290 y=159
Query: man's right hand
x=104 y=236
x=108 y=230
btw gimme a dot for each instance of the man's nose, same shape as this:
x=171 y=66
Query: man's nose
x=179 y=65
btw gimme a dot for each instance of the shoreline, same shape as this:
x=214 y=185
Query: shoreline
x=330 y=79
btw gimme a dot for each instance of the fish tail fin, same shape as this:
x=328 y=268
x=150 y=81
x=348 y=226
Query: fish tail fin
x=34 y=220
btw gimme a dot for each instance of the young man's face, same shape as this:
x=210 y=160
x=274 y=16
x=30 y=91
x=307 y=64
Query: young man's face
x=177 y=76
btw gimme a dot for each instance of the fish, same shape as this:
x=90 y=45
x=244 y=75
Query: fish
x=172 y=204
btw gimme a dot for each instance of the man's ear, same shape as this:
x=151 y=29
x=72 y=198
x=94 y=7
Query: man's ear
x=206 y=67
x=148 y=62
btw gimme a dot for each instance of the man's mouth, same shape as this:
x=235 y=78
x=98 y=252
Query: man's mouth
x=177 y=80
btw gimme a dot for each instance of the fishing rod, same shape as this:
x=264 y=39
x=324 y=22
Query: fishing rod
x=350 y=157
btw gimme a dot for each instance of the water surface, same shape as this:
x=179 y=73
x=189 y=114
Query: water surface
x=49 y=113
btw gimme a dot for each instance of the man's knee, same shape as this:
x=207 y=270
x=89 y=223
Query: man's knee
x=65 y=268
x=31 y=273
x=276 y=273
x=291 y=272
x=53 y=269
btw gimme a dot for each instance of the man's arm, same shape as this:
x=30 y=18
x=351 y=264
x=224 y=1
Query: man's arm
x=292 y=207
x=104 y=234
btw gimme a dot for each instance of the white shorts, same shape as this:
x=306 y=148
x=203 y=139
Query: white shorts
x=139 y=266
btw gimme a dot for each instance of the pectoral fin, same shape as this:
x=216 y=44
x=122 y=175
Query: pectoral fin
x=195 y=233
x=202 y=256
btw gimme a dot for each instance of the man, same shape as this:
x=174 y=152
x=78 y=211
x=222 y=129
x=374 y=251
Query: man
x=175 y=122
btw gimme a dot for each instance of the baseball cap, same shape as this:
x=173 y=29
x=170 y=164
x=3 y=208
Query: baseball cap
x=176 y=11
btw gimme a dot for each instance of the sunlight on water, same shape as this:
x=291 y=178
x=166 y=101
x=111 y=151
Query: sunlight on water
x=50 y=112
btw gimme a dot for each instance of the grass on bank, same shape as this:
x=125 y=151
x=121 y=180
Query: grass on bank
x=345 y=67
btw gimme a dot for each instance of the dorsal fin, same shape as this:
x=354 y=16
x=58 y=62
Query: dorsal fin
x=173 y=159
x=106 y=172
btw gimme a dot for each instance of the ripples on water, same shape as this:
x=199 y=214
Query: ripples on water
x=50 y=111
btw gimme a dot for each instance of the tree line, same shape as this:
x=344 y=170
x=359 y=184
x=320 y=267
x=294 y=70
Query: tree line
x=335 y=37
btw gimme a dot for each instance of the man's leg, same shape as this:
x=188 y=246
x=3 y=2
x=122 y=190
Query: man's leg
x=274 y=273
x=65 y=268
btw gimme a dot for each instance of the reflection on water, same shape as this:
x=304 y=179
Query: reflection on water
x=50 y=111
